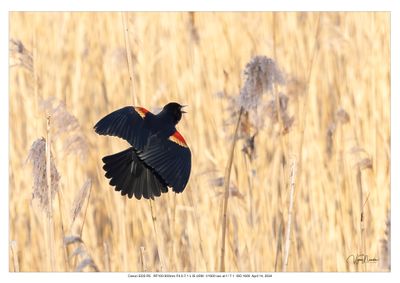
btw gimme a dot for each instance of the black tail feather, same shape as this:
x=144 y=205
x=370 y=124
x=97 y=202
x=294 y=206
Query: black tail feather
x=130 y=176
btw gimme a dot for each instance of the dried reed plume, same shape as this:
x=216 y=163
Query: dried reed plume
x=66 y=127
x=80 y=254
x=79 y=200
x=37 y=156
x=262 y=74
x=20 y=56
x=385 y=249
x=193 y=32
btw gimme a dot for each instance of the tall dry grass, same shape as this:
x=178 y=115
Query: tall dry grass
x=310 y=181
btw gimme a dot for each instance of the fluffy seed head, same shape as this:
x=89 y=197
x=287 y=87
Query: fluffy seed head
x=37 y=156
x=66 y=127
x=261 y=74
x=20 y=56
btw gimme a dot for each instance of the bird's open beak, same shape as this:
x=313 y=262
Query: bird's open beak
x=182 y=107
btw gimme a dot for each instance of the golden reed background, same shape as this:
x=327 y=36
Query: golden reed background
x=335 y=64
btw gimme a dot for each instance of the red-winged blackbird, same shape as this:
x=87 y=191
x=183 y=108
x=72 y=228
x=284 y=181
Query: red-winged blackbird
x=159 y=157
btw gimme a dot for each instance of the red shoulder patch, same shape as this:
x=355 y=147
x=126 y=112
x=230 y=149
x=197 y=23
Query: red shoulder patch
x=177 y=138
x=141 y=111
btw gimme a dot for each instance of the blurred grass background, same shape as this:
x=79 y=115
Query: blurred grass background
x=338 y=84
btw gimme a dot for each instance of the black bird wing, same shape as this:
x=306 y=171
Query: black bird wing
x=128 y=123
x=169 y=158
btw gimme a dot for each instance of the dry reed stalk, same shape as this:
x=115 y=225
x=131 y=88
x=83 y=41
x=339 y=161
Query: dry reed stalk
x=14 y=250
x=307 y=89
x=278 y=244
x=226 y=189
x=122 y=207
x=158 y=245
x=234 y=244
x=249 y=169
x=290 y=211
x=362 y=250
x=172 y=233
x=171 y=245
x=302 y=130
x=134 y=101
x=35 y=77
x=142 y=260
x=123 y=237
x=283 y=152
x=129 y=58
x=274 y=32
x=196 y=216
x=48 y=178
x=60 y=208
x=86 y=208
x=107 y=265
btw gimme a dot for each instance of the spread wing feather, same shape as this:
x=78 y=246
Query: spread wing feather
x=171 y=161
x=126 y=123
